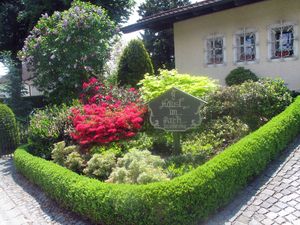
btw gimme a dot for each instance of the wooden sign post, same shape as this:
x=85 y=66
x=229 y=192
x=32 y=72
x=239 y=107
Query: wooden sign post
x=175 y=111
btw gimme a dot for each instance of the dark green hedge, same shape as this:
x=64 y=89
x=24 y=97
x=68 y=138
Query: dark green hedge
x=184 y=200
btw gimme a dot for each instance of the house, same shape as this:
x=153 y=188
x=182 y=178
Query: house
x=28 y=83
x=213 y=37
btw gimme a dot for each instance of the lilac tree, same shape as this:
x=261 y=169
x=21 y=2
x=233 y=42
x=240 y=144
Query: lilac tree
x=67 y=48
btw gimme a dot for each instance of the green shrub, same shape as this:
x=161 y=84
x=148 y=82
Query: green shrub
x=74 y=162
x=183 y=200
x=9 y=133
x=134 y=63
x=138 y=167
x=152 y=86
x=67 y=48
x=47 y=126
x=252 y=102
x=60 y=152
x=100 y=165
x=239 y=76
x=141 y=141
x=214 y=136
x=113 y=148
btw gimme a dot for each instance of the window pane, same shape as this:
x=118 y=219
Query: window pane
x=246 y=47
x=250 y=53
x=210 y=57
x=215 y=51
x=219 y=56
x=219 y=43
x=283 y=45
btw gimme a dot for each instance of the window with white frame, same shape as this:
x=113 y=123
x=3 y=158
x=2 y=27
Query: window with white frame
x=215 y=50
x=282 y=41
x=245 y=48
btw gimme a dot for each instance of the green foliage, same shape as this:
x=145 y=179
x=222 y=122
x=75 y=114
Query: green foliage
x=100 y=165
x=74 y=162
x=141 y=141
x=18 y=17
x=185 y=200
x=9 y=133
x=252 y=102
x=67 y=48
x=12 y=31
x=200 y=145
x=178 y=165
x=113 y=148
x=160 y=44
x=214 y=136
x=60 y=152
x=138 y=167
x=153 y=86
x=47 y=126
x=239 y=76
x=134 y=63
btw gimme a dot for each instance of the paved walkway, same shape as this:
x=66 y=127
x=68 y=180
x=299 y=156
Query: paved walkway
x=22 y=203
x=271 y=199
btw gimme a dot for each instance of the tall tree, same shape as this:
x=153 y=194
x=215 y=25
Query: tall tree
x=160 y=45
x=15 y=87
x=18 y=17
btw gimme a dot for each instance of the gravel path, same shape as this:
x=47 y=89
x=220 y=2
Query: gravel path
x=22 y=203
x=271 y=199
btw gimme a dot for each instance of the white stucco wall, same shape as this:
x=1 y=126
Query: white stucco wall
x=190 y=36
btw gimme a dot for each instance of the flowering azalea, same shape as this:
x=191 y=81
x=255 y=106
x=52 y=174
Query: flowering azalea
x=108 y=114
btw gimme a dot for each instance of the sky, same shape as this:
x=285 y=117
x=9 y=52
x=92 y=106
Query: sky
x=126 y=37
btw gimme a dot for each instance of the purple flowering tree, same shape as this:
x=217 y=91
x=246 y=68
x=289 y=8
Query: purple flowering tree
x=67 y=48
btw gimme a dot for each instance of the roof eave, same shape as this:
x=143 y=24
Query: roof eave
x=167 y=21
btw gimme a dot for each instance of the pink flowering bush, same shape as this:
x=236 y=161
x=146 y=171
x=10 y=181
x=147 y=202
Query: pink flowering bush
x=108 y=114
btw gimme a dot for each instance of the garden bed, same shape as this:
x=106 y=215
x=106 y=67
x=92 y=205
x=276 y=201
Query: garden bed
x=183 y=200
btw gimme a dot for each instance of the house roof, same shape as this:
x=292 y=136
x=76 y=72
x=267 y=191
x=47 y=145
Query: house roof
x=165 y=19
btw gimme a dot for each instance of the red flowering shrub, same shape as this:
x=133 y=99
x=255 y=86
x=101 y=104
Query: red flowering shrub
x=98 y=93
x=108 y=114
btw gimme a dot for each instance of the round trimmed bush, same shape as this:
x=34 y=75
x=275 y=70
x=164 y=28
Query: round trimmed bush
x=9 y=134
x=239 y=76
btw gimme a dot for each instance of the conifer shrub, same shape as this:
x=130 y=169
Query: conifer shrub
x=9 y=133
x=134 y=63
x=239 y=76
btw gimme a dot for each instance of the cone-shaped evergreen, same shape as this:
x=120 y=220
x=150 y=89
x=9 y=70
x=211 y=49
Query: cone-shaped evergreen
x=134 y=63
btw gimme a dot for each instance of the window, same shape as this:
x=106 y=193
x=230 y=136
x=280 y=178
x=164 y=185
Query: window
x=282 y=42
x=245 y=49
x=215 y=51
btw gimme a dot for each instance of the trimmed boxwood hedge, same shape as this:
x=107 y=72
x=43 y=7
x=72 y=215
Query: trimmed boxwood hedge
x=184 y=200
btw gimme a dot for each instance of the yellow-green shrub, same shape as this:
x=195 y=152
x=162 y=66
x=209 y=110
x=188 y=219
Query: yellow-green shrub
x=152 y=86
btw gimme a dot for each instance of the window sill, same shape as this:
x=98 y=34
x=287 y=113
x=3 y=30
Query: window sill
x=294 y=58
x=247 y=62
x=215 y=65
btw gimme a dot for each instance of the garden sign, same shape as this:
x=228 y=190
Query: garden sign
x=175 y=111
